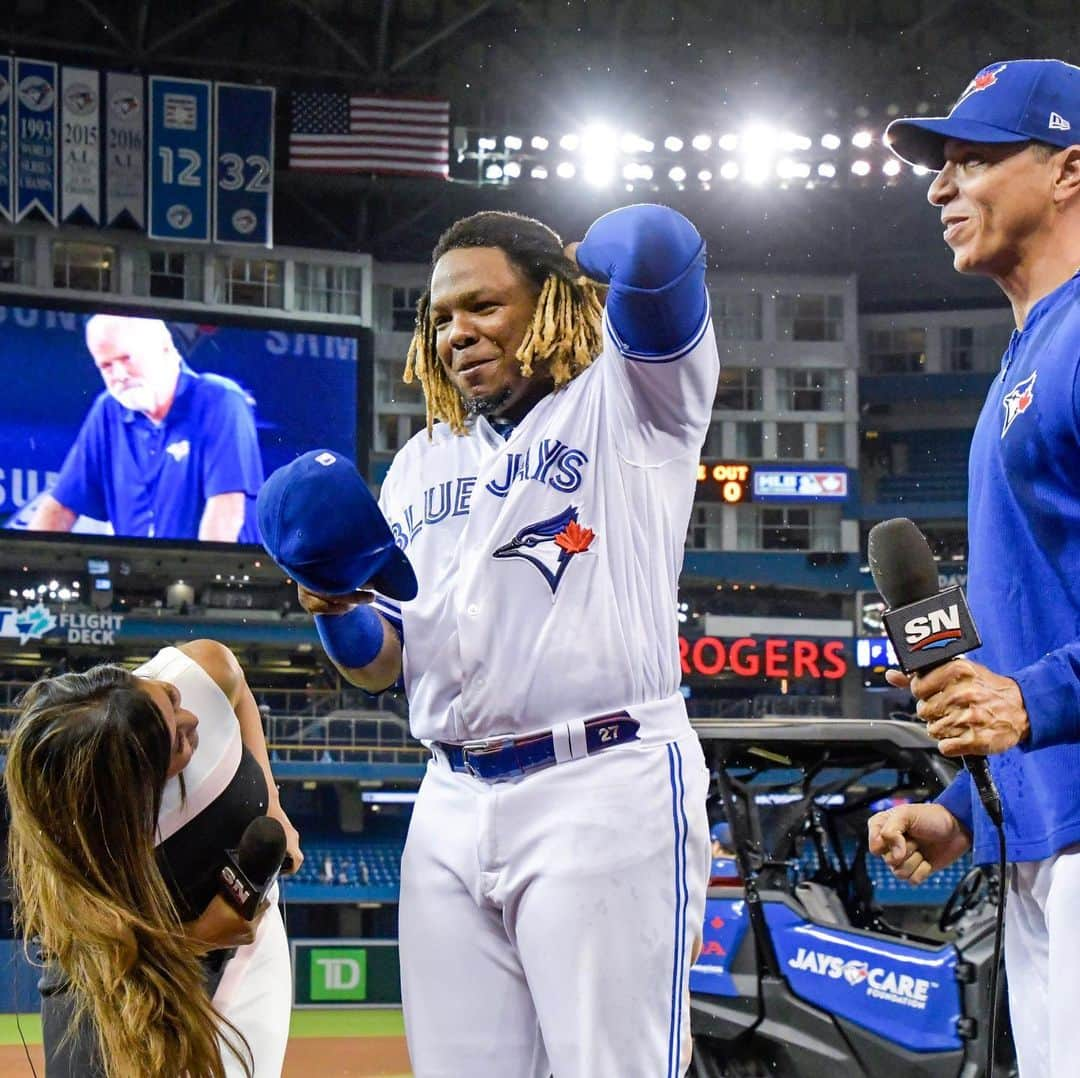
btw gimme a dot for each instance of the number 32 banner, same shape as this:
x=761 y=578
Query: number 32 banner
x=244 y=153
x=180 y=136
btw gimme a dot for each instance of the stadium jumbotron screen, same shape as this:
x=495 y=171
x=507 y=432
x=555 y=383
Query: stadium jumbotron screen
x=159 y=427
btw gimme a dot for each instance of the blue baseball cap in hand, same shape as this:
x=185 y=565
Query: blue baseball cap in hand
x=322 y=525
x=1010 y=101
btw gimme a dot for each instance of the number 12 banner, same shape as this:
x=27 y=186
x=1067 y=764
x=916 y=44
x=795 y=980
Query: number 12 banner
x=244 y=156
x=181 y=129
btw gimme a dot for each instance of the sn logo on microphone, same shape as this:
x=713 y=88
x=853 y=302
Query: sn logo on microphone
x=935 y=629
x=236 y=885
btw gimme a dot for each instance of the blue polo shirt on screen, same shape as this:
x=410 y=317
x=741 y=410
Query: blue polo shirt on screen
x=154 y=479
x=1024 y=577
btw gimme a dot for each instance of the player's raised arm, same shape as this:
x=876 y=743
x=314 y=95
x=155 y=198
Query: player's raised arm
x=657 y=313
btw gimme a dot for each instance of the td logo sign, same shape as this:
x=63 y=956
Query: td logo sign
x=339 y=974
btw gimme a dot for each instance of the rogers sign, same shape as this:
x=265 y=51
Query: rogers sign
x=769 y=657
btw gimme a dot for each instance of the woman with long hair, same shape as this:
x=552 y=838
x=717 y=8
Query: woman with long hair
x=125 y=789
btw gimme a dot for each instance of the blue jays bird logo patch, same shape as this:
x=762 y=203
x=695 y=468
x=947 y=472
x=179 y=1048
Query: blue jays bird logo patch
x=1018 y=400
x=549 y=545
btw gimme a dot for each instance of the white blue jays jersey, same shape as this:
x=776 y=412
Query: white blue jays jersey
x=548 y=562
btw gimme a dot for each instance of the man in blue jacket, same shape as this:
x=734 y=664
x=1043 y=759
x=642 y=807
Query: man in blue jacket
x=1008 y=189
x=164 y=452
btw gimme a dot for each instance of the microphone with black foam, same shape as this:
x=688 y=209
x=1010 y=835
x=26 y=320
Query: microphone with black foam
x=927 y=626
x=252 y=868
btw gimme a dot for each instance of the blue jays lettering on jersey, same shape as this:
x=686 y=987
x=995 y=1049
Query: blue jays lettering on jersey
x=153 y=479
x=1024 y=577
x=547 y=586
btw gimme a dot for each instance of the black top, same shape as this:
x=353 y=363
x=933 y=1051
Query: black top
x=191 y=859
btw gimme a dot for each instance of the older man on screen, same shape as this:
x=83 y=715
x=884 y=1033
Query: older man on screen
x=164 y=452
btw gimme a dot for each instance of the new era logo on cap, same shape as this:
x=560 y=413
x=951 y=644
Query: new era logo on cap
x=326 y=459
x=1059 y=123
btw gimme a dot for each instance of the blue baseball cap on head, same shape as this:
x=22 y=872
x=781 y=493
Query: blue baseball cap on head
x=322 y=525
x=1010 y=101
x=721 y=832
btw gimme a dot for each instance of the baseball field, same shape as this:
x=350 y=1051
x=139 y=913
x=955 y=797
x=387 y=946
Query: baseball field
x=331 y=1044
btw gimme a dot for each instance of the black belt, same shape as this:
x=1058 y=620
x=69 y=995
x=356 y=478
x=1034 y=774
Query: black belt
x=502 y=758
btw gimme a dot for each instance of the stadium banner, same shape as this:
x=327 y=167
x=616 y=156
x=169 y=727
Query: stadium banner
x=346 y=973
x=125 y=150
x=35 y=139
x=244 y=163
x=7 y=114
x=80 y=144
x=181 y=136
x=59 y=405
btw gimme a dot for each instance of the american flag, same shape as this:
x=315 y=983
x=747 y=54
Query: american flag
x=338 y=133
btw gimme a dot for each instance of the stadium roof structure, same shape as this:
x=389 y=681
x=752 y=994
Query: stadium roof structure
x=504 y=64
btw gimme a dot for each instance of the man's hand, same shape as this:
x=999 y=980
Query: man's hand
x=221 y=926
x=968 y=709
x=292 y=840
x=314 y=603
x=915 y=840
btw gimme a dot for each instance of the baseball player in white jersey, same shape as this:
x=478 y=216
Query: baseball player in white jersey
x=553 y=881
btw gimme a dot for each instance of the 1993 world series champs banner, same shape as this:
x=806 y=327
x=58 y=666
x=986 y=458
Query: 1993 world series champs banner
x=184 y=159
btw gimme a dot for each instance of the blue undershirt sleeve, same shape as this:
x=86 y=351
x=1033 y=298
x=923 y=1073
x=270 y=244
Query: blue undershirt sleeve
x=1051 y=691
x=956 y=797
x=653 y=260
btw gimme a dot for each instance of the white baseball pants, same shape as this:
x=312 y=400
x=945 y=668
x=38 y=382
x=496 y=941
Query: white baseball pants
x=255 y=994
x=1042 y=956
x=547 y=925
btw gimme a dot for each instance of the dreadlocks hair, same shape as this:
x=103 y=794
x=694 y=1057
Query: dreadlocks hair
x=564 y=336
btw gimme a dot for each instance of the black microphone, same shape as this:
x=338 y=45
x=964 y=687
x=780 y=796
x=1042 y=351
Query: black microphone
x=250 y=870
x=927 y=626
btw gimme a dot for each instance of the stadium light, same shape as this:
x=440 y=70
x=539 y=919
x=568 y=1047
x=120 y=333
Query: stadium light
x=759 y=147
x=512 y=142
x=631 y=144
x=598 y=149
x=729 y=170
x=645 y=172
x=677 y=173
x=792 y=170
x=920 y=170
x=789 y=141
x=728 y=143
x=485 y=144
x=861 y=168
x=512 y=169
x=539 y=173
x=862 y=140
x=705 y=176
x=830 y=142
x=673 y=144
x=826 y=170
x=569 y=142
x=891 y=167
x=539 y=142
x=566 y=170
x=701 y=142
x=493 y=172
